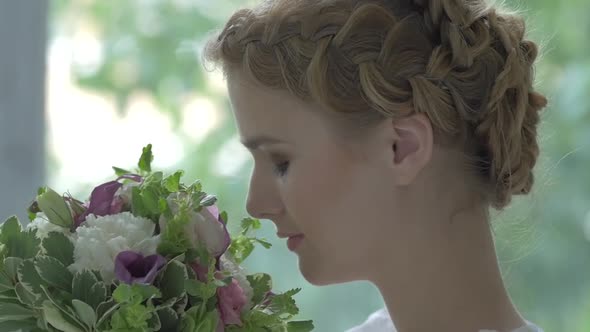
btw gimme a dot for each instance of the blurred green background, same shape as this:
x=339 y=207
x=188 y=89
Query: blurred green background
x=119 y=52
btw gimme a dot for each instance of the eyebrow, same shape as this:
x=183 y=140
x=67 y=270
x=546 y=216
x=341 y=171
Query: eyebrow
x=255 y=142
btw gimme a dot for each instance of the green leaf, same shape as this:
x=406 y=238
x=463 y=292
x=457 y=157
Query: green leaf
x=54 y=272
x=137 y=206
x=61 y=300
x=163 y=207
x=261 y=284
x=208 y=323
x=125 y=294
x=154 y=323
x=174 y=240
x=132 y=317
x=173 y=279
x=55 y=208
x=199 y=289
x=223 y=217
x=82 y=283
x=284 y=303
x=26 y=297
x=187 y=324
x=300 y=326
x=5 y=282
x=54 y=317
x=87 y=288
x=257 y=317
x=168 y=319
x=120 y=171
x=17 y=243
x=250 y=223
x=11 y=265
x=241 y=247
x=9 y=311
x=151 y=200
x=135 y=294
x=195 y=186
x=172 y=182
x=264 y=243
x=104 y=311
x=57 y=245
x=19 y=325
x=29 y=277
x=85 y=312
x=9 y=295
x=145 y=161
x=41 y=190
x=147 y=291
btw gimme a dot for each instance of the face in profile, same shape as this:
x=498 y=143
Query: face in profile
x=308 y=181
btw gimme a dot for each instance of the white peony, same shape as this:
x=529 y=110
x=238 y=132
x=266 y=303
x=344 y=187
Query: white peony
x=44 y=227
x=100 y=239
x=239 y=273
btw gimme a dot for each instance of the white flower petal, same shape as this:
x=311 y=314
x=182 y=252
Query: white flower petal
x=100 y=239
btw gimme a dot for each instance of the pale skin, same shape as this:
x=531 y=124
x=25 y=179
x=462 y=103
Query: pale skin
x=393 y=208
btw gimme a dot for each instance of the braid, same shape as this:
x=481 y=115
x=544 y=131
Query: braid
x=462 y=63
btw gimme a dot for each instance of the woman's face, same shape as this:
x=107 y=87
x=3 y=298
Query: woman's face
x=308 y=181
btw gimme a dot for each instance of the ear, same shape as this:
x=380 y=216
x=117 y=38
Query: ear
x=412 y=146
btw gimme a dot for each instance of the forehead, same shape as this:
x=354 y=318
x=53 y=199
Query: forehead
x=260 y=110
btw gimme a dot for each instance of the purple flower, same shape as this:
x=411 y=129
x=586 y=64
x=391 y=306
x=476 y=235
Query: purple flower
x=132 y=267
x=104 y=199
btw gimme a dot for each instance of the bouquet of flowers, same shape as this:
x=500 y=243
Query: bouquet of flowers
x=144 y=253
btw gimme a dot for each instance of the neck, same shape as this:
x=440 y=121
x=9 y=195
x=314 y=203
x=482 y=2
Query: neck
x=454 y=283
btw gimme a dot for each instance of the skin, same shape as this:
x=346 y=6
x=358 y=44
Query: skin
x=392 y=208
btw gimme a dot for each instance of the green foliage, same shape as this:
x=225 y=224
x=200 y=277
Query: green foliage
x=54 y=273
x=87 y=288
x=16 y=242
x=55 y=208
x=57 y=245
x=144 y=50
x=173 y=280
x=145 y=161
x=133 y=314
x=242 y=245
x=261 y=284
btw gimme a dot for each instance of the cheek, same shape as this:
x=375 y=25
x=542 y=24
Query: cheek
x=318 y=196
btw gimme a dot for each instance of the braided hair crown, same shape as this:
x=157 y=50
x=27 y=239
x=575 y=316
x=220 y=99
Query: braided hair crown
x=464 y=63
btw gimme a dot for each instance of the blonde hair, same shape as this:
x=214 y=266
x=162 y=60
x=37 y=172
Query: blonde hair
x=463 y=63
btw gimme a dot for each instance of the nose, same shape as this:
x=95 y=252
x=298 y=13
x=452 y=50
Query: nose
x=263 y=201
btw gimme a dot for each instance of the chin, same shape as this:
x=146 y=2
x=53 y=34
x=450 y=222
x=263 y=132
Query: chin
x=321 y=274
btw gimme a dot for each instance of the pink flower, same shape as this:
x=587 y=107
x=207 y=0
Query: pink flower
x=231 y=301
x=204 y=227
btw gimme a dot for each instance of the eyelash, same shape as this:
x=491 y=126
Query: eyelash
x=280 y=169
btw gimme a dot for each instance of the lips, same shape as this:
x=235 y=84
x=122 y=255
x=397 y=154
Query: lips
x=295 y=241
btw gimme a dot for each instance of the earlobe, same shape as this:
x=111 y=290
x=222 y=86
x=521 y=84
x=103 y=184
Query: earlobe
x=412 y=148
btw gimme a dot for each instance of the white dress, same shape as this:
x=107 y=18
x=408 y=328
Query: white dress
x=379 y=321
